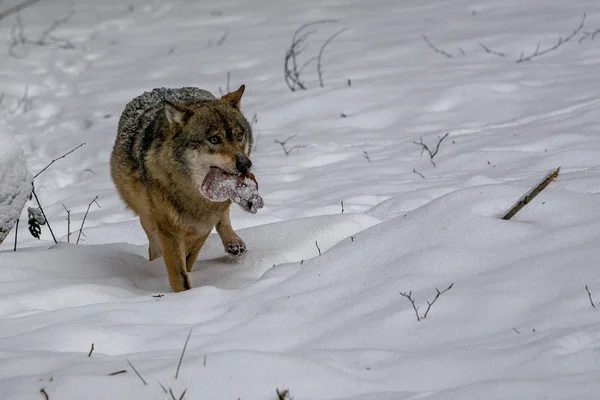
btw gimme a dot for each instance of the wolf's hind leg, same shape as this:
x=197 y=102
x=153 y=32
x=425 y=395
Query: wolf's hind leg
x=154 y=251
x=231 y=241
x=173 y=253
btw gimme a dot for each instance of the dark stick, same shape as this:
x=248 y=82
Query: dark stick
x=317 y=244
x=531 y=195
x=85 y=216
x=342 y=202
x=412 y=301
x=17 y=8
x=58 y=158
x=136 y=372
x=418 y=173
x=590 y=296
x=437 y=50
x=436 y=297
x=183 y=353
x=43 y=391
x=123 y=371
x=16 y=230
x=44 y=214
x=91 y=351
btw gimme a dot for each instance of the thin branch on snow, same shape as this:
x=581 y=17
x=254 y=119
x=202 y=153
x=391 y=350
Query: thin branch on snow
x=435 y=48
x=123 y=371
x=490 y=51
x=91 y=351
x=342 y=203
x=16 y=9
x=429 y=303
x=412 y=301
x=56 y=159
x=438 y=294
x=163 y=388
x=590 y=296
x=561 y=41
x=318 y=248
x=43 y=391
x=531 y=195
x=283 y=395
x=16 y=230
x=85 y=216
x=433 y=153
x=591 y=35
x=366 y=155
x=319 y=71
x=68 y=223
x=136 y=372
x=284 y=143
x=418 y=173
x=183 y=353
x=46 y=38
x=173 y=395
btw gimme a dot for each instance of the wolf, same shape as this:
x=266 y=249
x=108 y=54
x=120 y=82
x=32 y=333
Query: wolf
x=167 y=141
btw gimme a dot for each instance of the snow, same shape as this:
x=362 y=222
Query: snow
x=15 y=183
x=315 y=305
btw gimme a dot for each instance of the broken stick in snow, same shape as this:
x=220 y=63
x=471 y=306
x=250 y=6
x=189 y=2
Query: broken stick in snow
x=530 y=196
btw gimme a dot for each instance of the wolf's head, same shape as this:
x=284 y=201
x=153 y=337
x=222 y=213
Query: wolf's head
x=210 y=134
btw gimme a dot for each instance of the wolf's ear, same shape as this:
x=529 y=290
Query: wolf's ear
x=234 y=98
x=175 y=113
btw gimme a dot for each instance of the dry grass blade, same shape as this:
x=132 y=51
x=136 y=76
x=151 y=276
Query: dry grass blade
x=183 y=353
x=136 y=372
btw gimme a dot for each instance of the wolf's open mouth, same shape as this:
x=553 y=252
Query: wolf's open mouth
x=219 y=185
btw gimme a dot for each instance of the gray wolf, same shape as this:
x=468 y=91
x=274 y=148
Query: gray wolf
x=167 y=141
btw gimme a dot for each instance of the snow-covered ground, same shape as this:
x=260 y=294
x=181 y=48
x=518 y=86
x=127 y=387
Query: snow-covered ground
x=518 y=322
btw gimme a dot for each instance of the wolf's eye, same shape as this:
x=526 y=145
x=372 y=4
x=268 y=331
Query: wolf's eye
x=239 y=136
x=215 y=140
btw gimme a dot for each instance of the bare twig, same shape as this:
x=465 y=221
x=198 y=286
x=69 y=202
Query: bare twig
x=163 y=388
x=436 y=49
x=43 y=213
x=58 y=158
x=561 y=41
x=366 y=155
x=283 y=395
x=319 y=71
x=173 y=395
x=204 y=363
x=16 y=231
x=318 y=248
x=91 y=351
x=291 y=71
x=515 y=329
x=123 y=371
x=183 y=353
x=284 y=143
x=490 y=51
x=531 y=195
x=342 y=203
x=15 y=9
x=68 y=223
x=429 y=304
x=590 y=296
x=136 y=372
x=438 y=294
x=85 y=216
x=418 y=173
x=412 y=301
x=434 y=152
x=591 y=35
x=43 y=391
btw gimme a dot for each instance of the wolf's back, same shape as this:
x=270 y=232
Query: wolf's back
x=140 y=112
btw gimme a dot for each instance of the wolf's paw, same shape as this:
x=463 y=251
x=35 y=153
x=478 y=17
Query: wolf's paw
x=236 y=248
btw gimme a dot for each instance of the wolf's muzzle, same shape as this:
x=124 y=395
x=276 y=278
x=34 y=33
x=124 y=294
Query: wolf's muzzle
x=242 y=163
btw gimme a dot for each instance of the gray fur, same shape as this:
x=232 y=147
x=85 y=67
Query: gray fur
x=140 y=112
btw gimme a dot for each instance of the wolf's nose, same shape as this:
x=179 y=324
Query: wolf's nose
x=242 y=163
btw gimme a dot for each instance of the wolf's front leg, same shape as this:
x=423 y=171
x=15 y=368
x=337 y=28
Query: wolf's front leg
x=231 y=241
x=174 y=255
